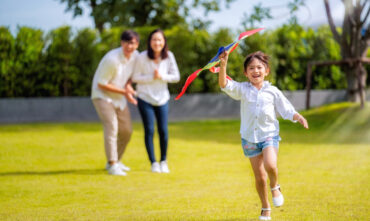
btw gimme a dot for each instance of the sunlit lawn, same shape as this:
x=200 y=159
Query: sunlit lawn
x=55 y=172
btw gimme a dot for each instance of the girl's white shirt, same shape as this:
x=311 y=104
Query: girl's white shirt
x=116 y=69
x=155 y=91
x=258 y=109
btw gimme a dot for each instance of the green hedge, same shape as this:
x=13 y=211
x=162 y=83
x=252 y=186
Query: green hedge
x=62 y=62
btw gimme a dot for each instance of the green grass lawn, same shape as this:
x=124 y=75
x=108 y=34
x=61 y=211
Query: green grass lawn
x=55 y=172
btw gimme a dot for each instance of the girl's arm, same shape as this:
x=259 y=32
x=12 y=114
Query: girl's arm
x=301 y=120
x=287 y=111
x=231 y=88
x=222 y=74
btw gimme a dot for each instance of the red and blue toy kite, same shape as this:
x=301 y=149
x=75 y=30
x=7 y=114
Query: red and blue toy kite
x=215 y=60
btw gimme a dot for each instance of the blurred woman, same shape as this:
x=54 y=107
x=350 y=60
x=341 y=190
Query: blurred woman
x=154 y=69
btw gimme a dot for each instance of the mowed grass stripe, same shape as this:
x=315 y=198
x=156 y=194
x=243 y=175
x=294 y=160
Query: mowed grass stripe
x=55 y=172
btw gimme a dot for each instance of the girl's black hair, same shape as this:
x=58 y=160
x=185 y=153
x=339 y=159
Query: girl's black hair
x=262 y=57
x=164 y=52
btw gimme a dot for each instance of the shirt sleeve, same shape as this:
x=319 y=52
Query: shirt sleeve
x=107 y=71
x=139 y=75
x=233 y=89
x=173 y=74
x=284 y=107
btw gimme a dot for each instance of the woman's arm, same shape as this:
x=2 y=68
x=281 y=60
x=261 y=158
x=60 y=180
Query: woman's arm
x=139 y=75
x=173 y=74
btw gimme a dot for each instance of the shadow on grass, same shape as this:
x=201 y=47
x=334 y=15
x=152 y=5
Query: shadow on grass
x=343 y=123
x=68 y=126
x=237 y=219
x=52 y=173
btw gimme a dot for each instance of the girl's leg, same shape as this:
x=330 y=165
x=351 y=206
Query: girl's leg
x=270 y=164
x=261 y=181
x=161 y=113
x=147 y=115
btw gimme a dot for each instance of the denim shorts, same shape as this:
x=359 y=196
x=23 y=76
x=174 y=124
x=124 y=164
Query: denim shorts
x=255 y=149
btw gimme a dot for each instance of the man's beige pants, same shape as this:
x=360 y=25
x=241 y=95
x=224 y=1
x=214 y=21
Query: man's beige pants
x=117 y=128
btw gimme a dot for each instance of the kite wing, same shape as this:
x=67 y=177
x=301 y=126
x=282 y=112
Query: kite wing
x=215 y=60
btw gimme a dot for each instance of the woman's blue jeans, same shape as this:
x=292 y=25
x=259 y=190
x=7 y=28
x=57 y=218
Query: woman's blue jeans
x=148 y=112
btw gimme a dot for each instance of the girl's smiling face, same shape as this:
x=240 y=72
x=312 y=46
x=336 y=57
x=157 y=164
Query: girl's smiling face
x=256 y=72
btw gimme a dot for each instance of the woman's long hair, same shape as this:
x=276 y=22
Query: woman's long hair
x=164 y=52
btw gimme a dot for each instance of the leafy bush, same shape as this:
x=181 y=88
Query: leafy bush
x=63 y=62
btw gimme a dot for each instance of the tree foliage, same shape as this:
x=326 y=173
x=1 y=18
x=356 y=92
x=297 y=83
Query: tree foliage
x=84 y=59
x=7 y=59
x=133 y=13
x=63 y=62
x=60 y=72
x=325 y=48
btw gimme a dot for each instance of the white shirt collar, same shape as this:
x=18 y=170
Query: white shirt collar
x=123 y=58
x=265 y=84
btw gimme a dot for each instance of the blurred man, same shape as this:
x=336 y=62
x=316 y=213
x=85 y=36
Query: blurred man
x=111 y=89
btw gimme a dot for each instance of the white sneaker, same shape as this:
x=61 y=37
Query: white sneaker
x=123 y=167
x=164 y=167
x=116 y=170
x=156 y=168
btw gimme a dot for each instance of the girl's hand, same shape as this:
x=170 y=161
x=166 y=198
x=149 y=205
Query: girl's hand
x=157 y=75
x=222 y=74
x=223 y=58
x=301 y=120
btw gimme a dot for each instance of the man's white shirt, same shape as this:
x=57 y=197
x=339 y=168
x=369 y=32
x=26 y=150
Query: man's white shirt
x=116 y=69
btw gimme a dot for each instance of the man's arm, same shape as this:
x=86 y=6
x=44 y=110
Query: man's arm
x=128 y=91
x=111 y=88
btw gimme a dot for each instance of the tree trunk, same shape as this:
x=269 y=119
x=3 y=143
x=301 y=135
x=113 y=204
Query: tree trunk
x=65 y=87
x=362 y=75
x=99 y=26
x=98 y=23
x=356 y=83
